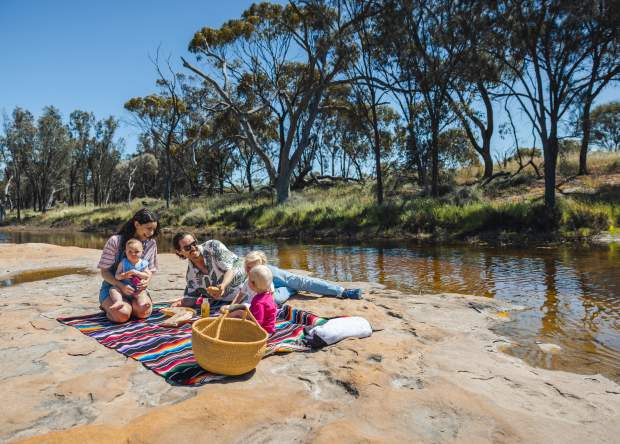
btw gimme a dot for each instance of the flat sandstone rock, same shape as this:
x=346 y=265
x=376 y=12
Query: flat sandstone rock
x=433 y=373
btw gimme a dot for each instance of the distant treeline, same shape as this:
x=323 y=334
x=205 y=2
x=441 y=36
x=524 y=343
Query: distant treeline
x=338 y=90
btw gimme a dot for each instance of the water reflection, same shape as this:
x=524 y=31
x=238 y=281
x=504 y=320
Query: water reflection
x=572 y=294
x=42 y=274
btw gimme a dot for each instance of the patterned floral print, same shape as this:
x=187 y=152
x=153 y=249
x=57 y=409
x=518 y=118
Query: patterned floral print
x=217 y=260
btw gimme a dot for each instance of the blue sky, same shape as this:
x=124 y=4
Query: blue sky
x=94 y=56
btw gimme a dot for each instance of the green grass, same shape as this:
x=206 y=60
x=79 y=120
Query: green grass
x=504 y=206
x=351 y=210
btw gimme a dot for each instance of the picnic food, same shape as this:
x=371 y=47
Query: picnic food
x=213 y=289
x=178 y=316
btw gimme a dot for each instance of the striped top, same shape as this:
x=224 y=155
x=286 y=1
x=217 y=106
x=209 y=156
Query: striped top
x=111 y=250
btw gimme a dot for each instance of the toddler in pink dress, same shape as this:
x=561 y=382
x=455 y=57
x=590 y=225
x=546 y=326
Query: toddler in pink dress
x=262 y=305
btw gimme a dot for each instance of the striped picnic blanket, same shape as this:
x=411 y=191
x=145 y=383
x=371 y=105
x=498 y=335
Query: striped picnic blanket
x=168 y=351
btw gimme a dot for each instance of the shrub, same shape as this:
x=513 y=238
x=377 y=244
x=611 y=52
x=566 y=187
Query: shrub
x=577 y=216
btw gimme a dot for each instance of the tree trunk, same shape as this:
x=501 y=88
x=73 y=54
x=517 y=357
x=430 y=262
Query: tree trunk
x=435 y=160
x=283 y=186
x=377 y=150
x=551 y=159
x=488 y=163
x=248 y=173
x=586 y=125
x=51 y=200
x=71 y=188
x=168 y=178
x=19 y=199
x=487 y=132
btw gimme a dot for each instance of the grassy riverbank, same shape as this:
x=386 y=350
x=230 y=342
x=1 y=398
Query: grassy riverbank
x=507 y=208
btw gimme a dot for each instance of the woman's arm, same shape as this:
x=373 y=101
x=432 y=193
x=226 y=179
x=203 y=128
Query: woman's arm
x=120 y=272
x=107 y=276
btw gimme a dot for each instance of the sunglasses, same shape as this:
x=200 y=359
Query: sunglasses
x=189 y=247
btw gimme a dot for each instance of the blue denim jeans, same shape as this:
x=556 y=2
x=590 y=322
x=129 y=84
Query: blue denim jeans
x=287 y=284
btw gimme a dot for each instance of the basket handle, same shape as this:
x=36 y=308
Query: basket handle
x=248 y=312
x=232 y=307
x=225 y=313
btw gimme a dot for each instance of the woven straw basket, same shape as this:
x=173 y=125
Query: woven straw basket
x=229 y=346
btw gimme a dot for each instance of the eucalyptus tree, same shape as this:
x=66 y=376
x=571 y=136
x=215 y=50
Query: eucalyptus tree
x=17 y=144
x=124 y=176
x=397 y=66
x=135 y=177
x=160 y=115
x=414 y=32
x=104 y=153
x=47 y=161
x=606 y=125
x=457 y=151
x=194 y=130
x=478 y=77
x=81 y=124
x=369 y=85
x=288 y=55
x=603 y=64
x=547 y=45
x=343 y=141
x=204 y=152
x=147 y=173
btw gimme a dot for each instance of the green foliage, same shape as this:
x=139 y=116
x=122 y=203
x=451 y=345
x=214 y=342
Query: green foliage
x=606 y=125
x=154 y=106
x=456 y=149
x=577 y=216
x=351 y=210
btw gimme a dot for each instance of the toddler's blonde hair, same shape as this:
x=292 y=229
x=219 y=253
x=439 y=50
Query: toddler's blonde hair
x=256 y=256
x=261 y=278
x=134 y=241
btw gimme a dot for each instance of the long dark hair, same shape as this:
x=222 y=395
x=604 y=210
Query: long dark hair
x=142 y=216
x=177 y=239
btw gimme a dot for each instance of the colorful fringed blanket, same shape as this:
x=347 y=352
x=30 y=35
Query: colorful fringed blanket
x=168 y=351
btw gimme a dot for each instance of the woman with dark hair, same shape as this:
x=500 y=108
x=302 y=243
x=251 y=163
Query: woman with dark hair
x=144 y=226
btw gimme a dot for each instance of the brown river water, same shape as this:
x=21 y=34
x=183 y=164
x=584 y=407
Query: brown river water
x=572 y=294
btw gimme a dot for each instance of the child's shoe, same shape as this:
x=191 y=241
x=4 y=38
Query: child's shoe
x=351 y=293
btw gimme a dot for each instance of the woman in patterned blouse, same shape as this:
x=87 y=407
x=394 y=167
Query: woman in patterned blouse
x=212 y=270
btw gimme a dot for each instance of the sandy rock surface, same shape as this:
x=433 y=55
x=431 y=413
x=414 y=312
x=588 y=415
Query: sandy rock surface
x=432 y=372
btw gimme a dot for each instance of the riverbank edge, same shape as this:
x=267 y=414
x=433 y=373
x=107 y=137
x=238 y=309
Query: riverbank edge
x=490 y=238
